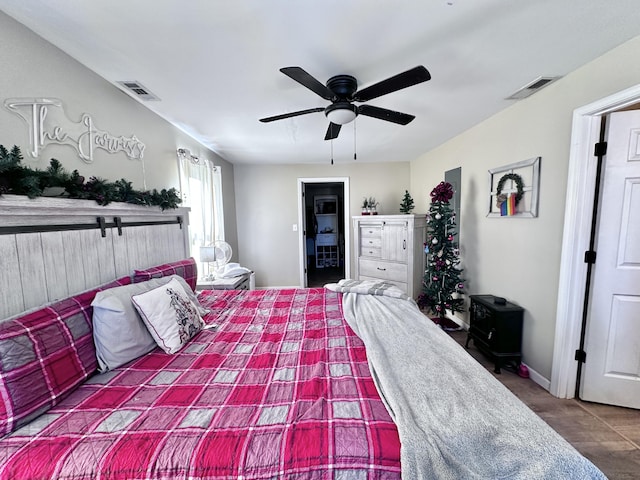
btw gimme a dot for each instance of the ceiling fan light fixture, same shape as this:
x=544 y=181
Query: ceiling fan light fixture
x=341 y=113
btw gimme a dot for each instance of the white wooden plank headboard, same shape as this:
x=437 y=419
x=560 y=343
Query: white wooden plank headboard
x=43 y=257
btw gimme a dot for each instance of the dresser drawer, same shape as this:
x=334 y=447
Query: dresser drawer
x=370 y=247
x=370 y=242
x=383 y=270
x=371 y=252
x=401 y=285
x=368 y=231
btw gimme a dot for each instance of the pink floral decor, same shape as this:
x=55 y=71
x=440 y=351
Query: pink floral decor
x=443 y=192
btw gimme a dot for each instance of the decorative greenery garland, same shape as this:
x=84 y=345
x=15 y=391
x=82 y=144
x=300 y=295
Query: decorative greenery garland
x=20 y=180
x=519 y=185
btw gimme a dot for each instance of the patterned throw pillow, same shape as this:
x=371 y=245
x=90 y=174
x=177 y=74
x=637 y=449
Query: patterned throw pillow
x=172 y=319
x=186 y=268
x=119 y=333
x=44 y=355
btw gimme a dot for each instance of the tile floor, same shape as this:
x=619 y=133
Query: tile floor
x=608 y=436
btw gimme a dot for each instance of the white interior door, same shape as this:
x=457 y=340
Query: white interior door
x=302 y=187
x=612 y=343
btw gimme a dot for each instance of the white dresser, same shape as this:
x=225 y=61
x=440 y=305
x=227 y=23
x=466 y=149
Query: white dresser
x=391 y=248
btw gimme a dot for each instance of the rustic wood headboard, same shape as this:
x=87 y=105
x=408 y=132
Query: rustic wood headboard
x=52 y=248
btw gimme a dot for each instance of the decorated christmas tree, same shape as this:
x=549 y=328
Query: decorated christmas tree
x=442 y=282
x=407 y=203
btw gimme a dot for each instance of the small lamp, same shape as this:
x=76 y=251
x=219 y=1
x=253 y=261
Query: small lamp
x=208 y=255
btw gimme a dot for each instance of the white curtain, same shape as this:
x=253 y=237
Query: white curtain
x=201 y=187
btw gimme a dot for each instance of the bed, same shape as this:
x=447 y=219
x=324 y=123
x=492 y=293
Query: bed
x=281 y=389
x=345 y=382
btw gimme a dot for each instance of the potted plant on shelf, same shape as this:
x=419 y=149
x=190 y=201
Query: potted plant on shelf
x=365 y=206
x=373 y=206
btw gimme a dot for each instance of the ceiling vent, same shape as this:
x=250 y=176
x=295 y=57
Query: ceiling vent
x=138 y=90
x=532 y=88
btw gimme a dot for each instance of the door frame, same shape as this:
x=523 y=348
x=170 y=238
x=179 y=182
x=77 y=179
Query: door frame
x=585 y=133
x=302 y=246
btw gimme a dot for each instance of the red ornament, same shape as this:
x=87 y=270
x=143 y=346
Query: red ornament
x=450 y=238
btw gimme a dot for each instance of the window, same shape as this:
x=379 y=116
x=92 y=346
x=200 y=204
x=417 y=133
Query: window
x=201 y=187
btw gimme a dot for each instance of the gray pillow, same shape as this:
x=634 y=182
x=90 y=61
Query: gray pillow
x=119 y=333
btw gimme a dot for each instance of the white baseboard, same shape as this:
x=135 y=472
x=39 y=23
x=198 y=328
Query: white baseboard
x=539 y=379
x=533 y=375
x=458 y=320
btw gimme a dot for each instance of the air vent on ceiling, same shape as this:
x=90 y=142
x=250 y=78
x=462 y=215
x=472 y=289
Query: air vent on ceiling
x=532 y=87
x=138 y=90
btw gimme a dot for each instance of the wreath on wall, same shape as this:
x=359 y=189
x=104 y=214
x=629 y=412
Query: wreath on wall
x=517 y=179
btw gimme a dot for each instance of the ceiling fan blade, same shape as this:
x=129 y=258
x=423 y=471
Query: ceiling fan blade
x=384 y=114
x=306 y=80
x=406 y=79
x=332 y=131
x=292 y=114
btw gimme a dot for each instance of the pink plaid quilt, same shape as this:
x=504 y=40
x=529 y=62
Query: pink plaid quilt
x=186 y=268
x=281 y=389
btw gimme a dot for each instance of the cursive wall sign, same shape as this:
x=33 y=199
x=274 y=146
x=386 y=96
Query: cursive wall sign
x=49 y=124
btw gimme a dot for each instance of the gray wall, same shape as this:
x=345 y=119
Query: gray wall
x=33 y=68
x=519 y=258
x=267 y=207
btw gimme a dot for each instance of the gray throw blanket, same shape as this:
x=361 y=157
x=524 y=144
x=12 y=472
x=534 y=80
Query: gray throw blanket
x=455 y=421
x=371 y=287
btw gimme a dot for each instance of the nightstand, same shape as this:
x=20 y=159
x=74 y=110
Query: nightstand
x=496 y=329
x=240 y=282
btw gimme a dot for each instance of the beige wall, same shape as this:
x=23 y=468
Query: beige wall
x=33 y=68
x=267 y=207
x=519 y=258
x=515 y=258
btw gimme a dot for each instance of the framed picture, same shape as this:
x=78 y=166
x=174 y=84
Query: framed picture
x=513 y=189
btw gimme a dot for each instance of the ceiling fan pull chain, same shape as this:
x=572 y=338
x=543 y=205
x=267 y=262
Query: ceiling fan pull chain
x=332 y=151
x=355 y=157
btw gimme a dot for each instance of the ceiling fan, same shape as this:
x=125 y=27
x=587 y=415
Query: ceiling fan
x=342 y=91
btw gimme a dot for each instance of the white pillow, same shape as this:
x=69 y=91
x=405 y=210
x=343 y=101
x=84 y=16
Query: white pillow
x=171 y=318
x=119 y=333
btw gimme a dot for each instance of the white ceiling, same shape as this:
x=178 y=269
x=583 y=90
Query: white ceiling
x=214 y=64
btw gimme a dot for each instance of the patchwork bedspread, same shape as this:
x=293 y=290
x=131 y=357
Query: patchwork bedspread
x=281 y=389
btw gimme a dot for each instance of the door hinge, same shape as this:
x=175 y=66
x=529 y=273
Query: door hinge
x=600 y=149
x=581 y=356
x=590 y=256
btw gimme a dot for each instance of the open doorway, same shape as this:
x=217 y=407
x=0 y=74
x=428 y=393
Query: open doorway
x=325 y=231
